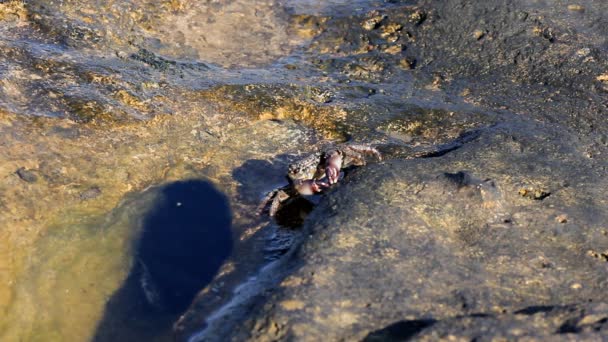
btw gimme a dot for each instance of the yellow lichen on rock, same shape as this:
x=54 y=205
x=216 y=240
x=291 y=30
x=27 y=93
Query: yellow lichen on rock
x=13 y=8
x=292 y=304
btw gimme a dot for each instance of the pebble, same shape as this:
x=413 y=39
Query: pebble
x=90 y=193
x=576 y=8
x=373 y=22
x=406 y=64
x=26 y=175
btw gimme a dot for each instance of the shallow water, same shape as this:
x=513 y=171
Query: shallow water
x=183 y=240
x=83 y=275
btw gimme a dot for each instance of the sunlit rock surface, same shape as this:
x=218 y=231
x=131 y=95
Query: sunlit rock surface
x=482 y=230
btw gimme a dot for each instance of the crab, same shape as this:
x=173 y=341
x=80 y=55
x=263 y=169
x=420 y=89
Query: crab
x=317 y=172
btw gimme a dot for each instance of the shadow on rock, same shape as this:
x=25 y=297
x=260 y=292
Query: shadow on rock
x=258 y=177
x=399 y=331
x=184 y=239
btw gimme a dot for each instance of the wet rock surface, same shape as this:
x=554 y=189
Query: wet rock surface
x=439 y=238
x=497 y=233
x=463 y=244
x=570 y=322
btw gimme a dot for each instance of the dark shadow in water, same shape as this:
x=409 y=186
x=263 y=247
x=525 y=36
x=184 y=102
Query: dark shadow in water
x=184 y=239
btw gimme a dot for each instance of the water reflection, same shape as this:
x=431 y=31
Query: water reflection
x=184 y=240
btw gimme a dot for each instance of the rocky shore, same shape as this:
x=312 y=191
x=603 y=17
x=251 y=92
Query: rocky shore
x=502 y=235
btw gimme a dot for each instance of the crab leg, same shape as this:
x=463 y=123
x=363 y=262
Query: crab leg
x=280 y=197
x=366 y=150
x=269 y=197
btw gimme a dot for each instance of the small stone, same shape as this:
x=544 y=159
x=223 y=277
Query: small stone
x=373 y=22
x=576 y=286
x=576 y=8
x=320 y=95
x=392 y=38
x=394 y=49
x=90 y=193
x=438 y=80
x=26 y=175
x=563 y=218
x=122 y=55
x=294 y=304
x=598 y=255
x=541 y=194
x=390 y=30
x=522 y=16
x=407 y=64
x=590 y=319
x=478 y=34
x=602 y=78
x=584 y=52
x=418 y=17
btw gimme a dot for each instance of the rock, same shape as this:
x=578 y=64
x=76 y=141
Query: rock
x=576 y=8
x=587 y=321
x=406 y=63
x=603 y=78
x=397 y=247
x=563 y=218
x=394 y=49
x=373 y=22
x=447 y=238
x=418 y=17
x=26 y=175
x=90 y=193
x=478 y=34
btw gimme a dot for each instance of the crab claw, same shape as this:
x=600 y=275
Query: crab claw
x=334 y=164
x=319 y=186
x=310 y=187
x=332 y=173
